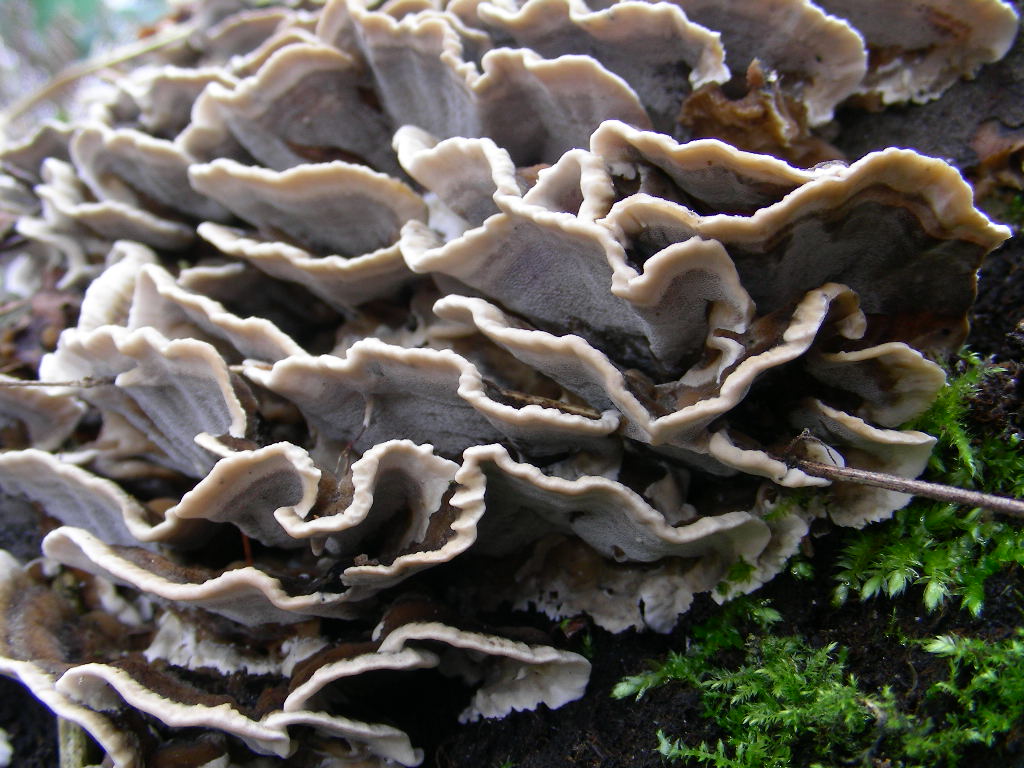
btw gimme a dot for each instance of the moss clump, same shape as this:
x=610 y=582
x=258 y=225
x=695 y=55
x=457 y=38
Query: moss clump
x=948 y=552
x=787 y=703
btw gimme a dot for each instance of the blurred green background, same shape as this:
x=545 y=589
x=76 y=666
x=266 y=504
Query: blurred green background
x=38 y=38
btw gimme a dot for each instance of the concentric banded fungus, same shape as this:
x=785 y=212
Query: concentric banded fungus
x=186 y=694
x=823 y=71
x=169 y=390
x=50 y=140
x=636 y=41
x=164 y=95
x=557 y=362
x=344 y=210
x=31 y=651
x=65 y=200
x=265 y=113
x=135 y=168
x=31 y=417
x=917 y=50
x=382 y=392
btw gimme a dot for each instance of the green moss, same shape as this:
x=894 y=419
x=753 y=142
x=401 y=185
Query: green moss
x=724 y=631
x=783 y=698
x=778 y=701
x=983 y=695
x=739 y=572
x=786 y=699
x=1013 y=211
x=947 y=551
x=789 y=704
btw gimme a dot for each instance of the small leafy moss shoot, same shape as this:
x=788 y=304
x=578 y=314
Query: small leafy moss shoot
x=783 y=702
x=783 y=693
x=941 y=548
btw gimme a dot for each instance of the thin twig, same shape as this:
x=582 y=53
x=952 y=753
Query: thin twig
x=81 y=69
x=14 y=305
x=937 y=491
x=82 y=383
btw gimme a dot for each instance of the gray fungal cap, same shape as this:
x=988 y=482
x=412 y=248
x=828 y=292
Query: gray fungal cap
x=377 y=299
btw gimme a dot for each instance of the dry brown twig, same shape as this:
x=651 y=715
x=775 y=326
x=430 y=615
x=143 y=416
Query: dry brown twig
x=70 y=74
x=929 y=490
x=80 y=383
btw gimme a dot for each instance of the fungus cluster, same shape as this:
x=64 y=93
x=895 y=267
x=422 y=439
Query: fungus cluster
x=392 y=318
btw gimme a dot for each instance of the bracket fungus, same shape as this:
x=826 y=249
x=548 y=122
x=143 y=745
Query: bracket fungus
x=397 y=319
